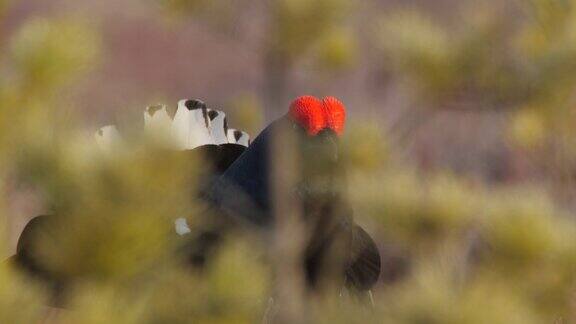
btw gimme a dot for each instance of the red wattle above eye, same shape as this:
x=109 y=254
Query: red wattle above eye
x=334 y=114
x=308 y=112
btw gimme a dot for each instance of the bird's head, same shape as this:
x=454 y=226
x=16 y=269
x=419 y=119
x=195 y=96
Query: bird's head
x=318 y=124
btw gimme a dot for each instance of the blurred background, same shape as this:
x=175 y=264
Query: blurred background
x=460 y=147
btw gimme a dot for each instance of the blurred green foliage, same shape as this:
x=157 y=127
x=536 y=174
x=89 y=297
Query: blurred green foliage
x=20 y=301
x=477 y=252
x=247 y=113
x=365 y=147
x=477 y=255
x=298 y=24
x=483 y=59
x=337 y=50
x=43 y=53
x=107 y=205
x=294 y=26
x=232 y=292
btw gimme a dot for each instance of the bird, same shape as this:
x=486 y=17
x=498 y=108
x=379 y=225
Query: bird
x=243 y=193
x=193 y=129
x=238 y=185
x=235 y=185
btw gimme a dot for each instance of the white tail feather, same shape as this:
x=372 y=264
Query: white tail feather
x=107 y=137
x=218 y=126
x=156 y=118
x=238 y=137
x=191 y=126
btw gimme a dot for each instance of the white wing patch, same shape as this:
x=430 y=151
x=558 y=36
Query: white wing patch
x=181 y=226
